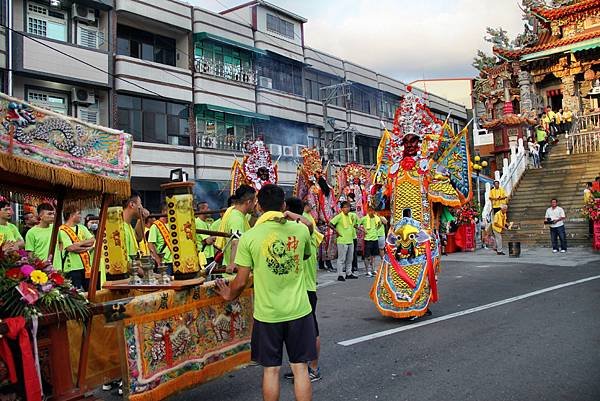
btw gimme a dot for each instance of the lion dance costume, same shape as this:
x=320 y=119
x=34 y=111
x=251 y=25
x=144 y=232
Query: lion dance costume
x=312 y=187
x=421 y=165
x=256 y=169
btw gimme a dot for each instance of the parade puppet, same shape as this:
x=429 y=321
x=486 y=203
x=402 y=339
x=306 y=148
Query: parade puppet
x=421 y=166
x=312 y=187
x=256 y=169
x=353 y=180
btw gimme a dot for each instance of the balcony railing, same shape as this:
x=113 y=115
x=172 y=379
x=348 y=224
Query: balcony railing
x=219 y=69
x=223 y=143
x=584 y=136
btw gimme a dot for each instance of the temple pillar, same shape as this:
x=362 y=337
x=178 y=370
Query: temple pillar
x=526 y=92
x=570 y=99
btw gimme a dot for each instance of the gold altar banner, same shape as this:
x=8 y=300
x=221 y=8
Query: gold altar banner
x=113 y=246
x=182 y=227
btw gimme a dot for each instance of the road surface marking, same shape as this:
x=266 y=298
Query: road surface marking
x=384 y=333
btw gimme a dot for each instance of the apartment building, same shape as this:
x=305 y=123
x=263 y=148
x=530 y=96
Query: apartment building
x=192 y=86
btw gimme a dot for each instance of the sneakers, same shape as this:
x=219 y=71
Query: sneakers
x=341 y=278
x=369 y=274
x=500 y=253
x=107 y=386
x=350 y=277
x=563 y=251
x=554 y=250
x=314 y=375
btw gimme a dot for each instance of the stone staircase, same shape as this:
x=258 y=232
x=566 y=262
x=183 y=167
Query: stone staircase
x=563 y=177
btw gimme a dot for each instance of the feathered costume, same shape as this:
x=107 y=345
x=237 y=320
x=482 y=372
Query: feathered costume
x=256 y=169
x=355 y=179
x=420 y=165
x=312 y=187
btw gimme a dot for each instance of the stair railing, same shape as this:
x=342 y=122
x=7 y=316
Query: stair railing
x=512 y=171
x=584 y=135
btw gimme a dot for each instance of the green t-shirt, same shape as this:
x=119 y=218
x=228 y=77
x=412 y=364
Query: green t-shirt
x=381 y=230
x=344 y=227
x=209 y=250
x=9 y=232
x=540 y=135
x=72 y=259
x=275 y=253
x=156 y=238
x=372 y=227
x=310 y=266
x=237 y=222
x=355 y=222
x=131 y=244
x=37 y=241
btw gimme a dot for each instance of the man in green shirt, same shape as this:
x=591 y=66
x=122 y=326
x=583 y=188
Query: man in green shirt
x=355 y=223
x=159 y=242
x=371 y=224
x=273 y=250
x=10 y=237
x=234 y=221
x=75 y=243
x=295 y=205
x=344 y=226
x=37 y=239
x=133 y=209
x=381 y=236
x=205 y=242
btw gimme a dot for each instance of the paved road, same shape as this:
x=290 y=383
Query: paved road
x=543 y=347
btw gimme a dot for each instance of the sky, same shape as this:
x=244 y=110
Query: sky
x=404 y=39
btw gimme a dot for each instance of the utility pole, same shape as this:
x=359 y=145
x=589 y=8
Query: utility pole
x=331 y=133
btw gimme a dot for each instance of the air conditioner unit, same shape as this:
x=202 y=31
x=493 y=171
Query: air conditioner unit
x=287 y=151
x=297 y=149
x=83 y=13
x=275 y=149
x=265 y=82
x=83 y=96
x=207 y=141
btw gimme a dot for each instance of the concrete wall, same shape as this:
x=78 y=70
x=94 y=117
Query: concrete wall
x=147 y=164
x=324 y=62
x=222 y=92
x=279 y=104
x=170 y=82
x=170 y=12
x=227 y=27
x=41 y=59
x=356 y=73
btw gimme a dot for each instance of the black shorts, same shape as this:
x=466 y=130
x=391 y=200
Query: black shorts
x=371 y=248
x=297 y=335
x=312 y=298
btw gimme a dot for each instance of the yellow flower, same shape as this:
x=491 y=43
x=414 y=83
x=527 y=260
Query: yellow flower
x=38 y=277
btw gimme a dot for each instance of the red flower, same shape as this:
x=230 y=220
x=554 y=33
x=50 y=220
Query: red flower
x=408 y=163
x=14 y=273
x=39 y=264
x=57 y=278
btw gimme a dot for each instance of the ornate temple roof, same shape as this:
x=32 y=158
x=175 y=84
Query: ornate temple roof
x=549 y=44
x=509 y=120
x=575 y=8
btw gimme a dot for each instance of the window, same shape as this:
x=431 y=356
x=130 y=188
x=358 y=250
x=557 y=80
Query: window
x=48 y=22
x=366 y=149
x=224 y=61
x=315 y=80
x=389 y=105
x=57 y=102
x=144 y=45
x=280 y=26
x=285 y=76
x=89 y=36
x=154 y=121
x=364 y=99
x=229 y=130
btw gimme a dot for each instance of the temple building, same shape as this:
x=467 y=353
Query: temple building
x=554 y=63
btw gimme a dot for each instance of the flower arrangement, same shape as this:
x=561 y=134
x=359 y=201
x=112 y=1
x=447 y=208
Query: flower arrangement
x=31 y=287
x=591 y=209
x=466 y=214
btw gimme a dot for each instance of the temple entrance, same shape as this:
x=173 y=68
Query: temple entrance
x=555 y=99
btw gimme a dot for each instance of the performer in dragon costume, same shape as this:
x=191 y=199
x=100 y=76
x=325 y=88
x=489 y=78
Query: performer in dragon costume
x=256 y=169
x=312 y=187
x=422 y=165
x=352 y=183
